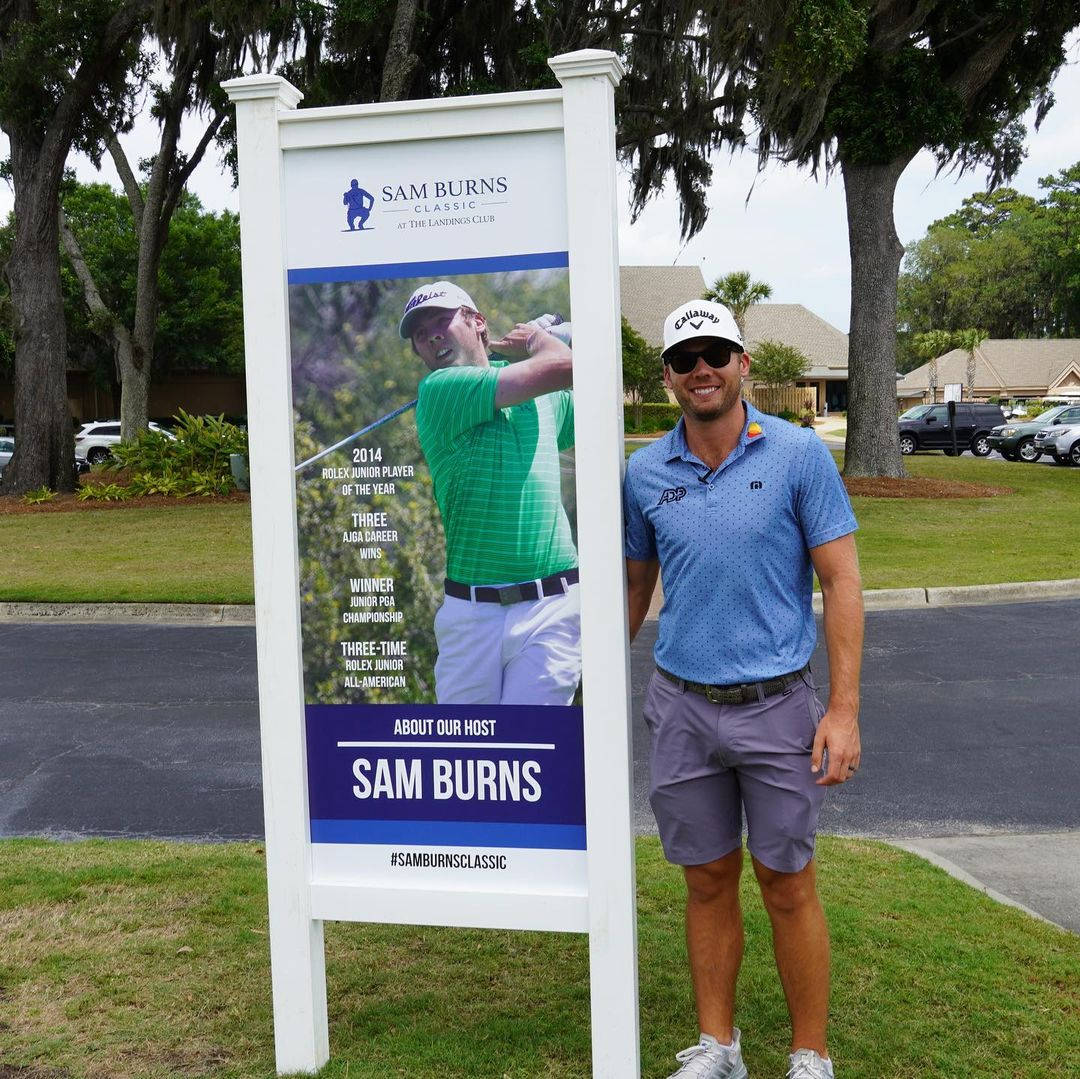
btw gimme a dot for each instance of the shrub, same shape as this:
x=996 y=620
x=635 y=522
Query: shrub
x=38 y=495
x=207 y=484
x=194 y=461
x=655 y=416
x=200 y=444
x=166 y=483
x=103 y=492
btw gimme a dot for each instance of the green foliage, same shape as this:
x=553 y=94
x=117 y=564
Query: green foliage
x=199 y=444
x=38 y=495
x=103 y=492
x=170 y=484
x=659 y=416
x=776 y=364
x=200 y=319
x=43 y=45
x=642 y=370
x=1004 y=261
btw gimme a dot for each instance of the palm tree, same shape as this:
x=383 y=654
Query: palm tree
x=929 y=346
x=738 y=293
x=969 y=341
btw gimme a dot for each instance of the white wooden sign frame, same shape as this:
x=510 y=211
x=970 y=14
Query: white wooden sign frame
x=268 y=126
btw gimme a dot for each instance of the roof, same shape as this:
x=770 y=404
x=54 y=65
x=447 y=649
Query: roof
x=650 y=293
x=1003 y=366
x=823 y=344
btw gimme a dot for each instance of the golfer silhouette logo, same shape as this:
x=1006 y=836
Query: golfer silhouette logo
x=358 y=204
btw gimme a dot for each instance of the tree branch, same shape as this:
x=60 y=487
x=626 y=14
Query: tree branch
x=69 y=109
x=127 y=178
x=180 y=178
x=981 y=67
x=94 y=301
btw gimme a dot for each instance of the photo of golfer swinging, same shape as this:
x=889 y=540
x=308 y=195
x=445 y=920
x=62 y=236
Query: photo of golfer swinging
x=457 y=394
x=491 y=430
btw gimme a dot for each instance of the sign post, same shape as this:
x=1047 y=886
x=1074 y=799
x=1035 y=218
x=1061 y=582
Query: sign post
x=389 y=251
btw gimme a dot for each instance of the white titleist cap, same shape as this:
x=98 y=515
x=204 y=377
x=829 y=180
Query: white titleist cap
x=700 y=318
x=439 y=294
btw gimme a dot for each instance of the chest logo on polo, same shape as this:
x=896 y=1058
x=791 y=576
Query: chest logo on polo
x=753 y=430
x=756 y=485
x=672 y=494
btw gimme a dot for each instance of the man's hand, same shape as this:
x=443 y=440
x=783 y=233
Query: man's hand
x=542 y=365
x=525 y=339
x=838 y=734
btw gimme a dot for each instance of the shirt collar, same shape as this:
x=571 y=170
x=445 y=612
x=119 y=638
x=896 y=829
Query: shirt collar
x=677 y=449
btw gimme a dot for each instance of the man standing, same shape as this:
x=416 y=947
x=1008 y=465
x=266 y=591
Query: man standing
x=508 y=630
x=736 y=510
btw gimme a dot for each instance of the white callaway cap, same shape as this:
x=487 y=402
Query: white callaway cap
x=700 y=318
x=443 y=295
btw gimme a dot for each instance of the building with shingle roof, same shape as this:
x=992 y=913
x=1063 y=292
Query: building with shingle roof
x=819 y=341
x=1005 y=368
x=649 y=293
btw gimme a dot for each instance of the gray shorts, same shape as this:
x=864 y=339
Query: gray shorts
x=711 y=760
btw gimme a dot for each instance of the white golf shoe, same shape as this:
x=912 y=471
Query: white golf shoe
x=806 y=1064
x=711 y=1060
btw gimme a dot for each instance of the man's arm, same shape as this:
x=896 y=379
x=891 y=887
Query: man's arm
x=837 y=566
x=545 y=365
x=640 y=584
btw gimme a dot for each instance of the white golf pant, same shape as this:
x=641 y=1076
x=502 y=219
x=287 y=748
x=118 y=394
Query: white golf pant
x=523 y=653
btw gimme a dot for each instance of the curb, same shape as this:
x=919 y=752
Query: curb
x=179 y=614
x=912 y=847
x=238 y=614
x=964 y=595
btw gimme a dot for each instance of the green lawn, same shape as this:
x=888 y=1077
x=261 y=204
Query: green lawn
x=189 y=553
x=202 y=553
x=139 y=960
x=1025 y=536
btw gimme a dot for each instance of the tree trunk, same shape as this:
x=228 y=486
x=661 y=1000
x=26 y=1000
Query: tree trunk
x=44 y=444
x=400 y=62
x=135 y=365
x=873 y=439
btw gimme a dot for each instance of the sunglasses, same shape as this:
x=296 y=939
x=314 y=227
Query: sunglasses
x=717 y=354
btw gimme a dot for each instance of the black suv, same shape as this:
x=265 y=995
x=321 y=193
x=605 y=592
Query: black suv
x=927 y=427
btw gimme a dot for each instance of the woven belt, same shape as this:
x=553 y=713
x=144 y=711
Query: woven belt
x=743 y=693
x=555 y=585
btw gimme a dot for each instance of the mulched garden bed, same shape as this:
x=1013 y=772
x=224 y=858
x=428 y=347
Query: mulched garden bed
x=68 y=503
x=919 y=487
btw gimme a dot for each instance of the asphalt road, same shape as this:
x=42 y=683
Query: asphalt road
x=969 y=727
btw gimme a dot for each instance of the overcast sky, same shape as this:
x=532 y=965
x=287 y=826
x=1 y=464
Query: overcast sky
x=792 y=233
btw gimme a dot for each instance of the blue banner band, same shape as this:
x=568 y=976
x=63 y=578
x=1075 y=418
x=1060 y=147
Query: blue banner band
x=435 y=833
x=543 y=260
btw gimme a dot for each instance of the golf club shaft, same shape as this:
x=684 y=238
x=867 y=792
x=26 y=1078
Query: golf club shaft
x=357 y=434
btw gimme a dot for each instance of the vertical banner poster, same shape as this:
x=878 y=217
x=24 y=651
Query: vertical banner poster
x=433 y=426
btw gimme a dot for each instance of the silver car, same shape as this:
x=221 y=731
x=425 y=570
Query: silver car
x=1062 y=443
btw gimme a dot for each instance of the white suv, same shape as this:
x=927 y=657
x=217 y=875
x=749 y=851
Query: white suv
x=95 y=440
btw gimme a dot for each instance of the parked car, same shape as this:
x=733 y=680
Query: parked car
x=7 y=448
x=1016 y=441
x=1062 y=442
x=927 y=427
x=96 y=439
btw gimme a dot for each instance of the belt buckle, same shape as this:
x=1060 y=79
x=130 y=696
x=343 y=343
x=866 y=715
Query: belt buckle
x=510 y=594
